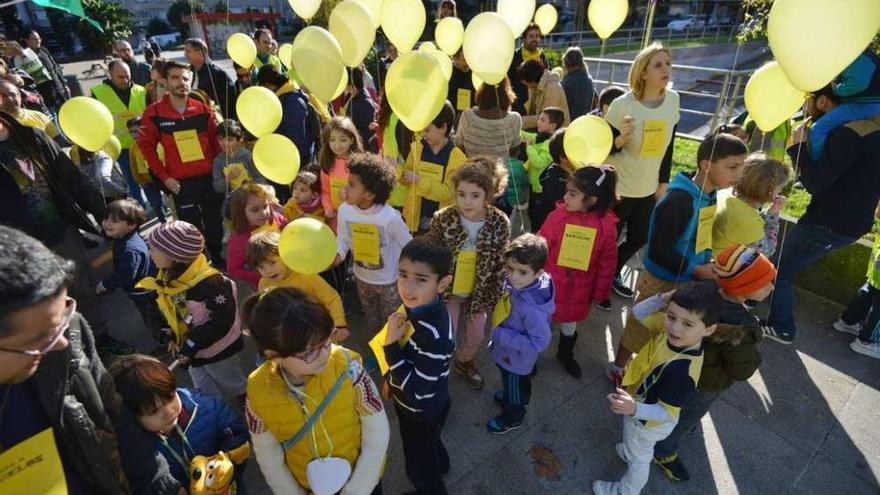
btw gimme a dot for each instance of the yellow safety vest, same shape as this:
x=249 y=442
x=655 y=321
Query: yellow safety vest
x=137 y=103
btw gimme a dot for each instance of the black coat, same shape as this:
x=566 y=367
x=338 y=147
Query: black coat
x=578 y=87
x=217 y=84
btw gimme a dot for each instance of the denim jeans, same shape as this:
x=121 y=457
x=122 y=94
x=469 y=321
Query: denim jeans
x=134 y=190
x=803 y=247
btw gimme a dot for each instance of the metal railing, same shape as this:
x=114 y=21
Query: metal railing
x=631 y=39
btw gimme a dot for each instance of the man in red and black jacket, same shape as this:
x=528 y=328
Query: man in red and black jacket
x=187 y=131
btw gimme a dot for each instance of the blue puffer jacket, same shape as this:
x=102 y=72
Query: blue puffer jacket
x=518 y=340
x=213 y=426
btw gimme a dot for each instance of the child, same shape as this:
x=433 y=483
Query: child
x=375 y=233
x=199 y=305
x=522 y=327
x=731 y=353
x=340 y=139
x=680 y=234
x=662 y=378
x=538 y=145
x=551 y=181
x=131 y=258
x=477 y=233
x=305 y=199
x=581 y=234
x=345 y=446
x=461 y=85
x=184 y=423
x=262 y=254
x=418 y=376
x=234 y=166
x=251 y=209
x=102 y=171
x=609 y=94
x=140 y=171
x=428 y=171
x=739 y=219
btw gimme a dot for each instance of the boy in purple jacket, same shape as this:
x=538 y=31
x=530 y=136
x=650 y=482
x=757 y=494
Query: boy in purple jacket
x=522 y=327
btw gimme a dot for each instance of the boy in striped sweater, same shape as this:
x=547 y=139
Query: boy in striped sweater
x=418 y=375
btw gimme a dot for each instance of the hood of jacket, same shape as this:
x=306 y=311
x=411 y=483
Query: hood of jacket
x=539 y=293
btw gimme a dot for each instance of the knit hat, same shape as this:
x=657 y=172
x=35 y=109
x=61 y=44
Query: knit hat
x=743 y=270
x=180 y=241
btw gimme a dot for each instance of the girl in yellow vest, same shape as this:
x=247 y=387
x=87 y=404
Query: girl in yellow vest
x=317 y=423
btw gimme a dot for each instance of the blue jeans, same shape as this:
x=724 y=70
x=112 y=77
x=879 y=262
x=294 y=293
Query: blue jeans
x=134 y=190
x=803 y=247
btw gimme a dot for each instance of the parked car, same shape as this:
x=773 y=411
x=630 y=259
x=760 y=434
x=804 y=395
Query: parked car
x=687 y=22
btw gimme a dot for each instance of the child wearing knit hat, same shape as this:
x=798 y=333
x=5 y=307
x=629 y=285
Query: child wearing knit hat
x=199 y=307
x=731 y=353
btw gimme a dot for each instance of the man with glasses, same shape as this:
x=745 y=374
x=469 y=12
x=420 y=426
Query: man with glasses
x=56 y=398
x=140 y=71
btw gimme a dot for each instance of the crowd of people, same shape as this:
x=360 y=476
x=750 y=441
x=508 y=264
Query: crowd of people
x=474 y=235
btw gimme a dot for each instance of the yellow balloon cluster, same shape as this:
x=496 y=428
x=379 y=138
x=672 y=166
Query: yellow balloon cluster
x=416 y=89
x=86 y=122
x=307 y=246
x=403 y=22
x=241 y=49
x=449 y=34
x=277 y=158
x=488 y=47
x=259 y=110
x=352 y=26
x=546 y=17
x=587 y=140
x=317 y=59
x=305 y=8
x=839 y=31
x=770 y=98
x=606 y=16
x=517 y=14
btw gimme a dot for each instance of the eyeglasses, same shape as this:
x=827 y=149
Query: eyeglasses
x=309 y=355
x=69 y=311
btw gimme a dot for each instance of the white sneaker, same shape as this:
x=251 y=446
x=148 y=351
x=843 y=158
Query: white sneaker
x=870 y=349
x=842 y=326
x=606 y=487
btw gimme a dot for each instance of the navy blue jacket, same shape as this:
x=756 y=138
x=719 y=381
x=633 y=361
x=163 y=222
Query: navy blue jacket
x=362 y=111
x=294 y=118
x=578 y=87
x=131 y=263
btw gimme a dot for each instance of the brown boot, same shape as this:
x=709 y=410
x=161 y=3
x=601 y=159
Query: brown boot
x=470 y=374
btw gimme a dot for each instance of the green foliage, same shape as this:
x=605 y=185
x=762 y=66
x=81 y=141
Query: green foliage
x=180 y=9
x=220 y=7
x=113 y=18
x=157 y=26
x=322 y=17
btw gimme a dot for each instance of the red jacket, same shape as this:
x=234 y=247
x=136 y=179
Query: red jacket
x=162 y=124
x=576 y=289
x=236 y=254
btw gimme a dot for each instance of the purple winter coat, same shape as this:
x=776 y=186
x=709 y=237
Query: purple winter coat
x=518 y=340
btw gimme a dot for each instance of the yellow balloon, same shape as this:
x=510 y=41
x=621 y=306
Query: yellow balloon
x=317 y=58
x=86 y=122
x=374 y=7
x=445 y=61
x=277 y=158
x=606 y=16
x=403 y=22
x=839 y=31
x=307 y=246
x=517 y=14
x=588 y=140
x=343 y=83
x=284 y=53
x=546 y=17
x=770 y=97
x=351 y=25
x=259 y=110
x=488 y=47
x=113 y=148
x=416 y=89
x=477 y=82
x=241 y=49
x=305 y=8
x=449 y=34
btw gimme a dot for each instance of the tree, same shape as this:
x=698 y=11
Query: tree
x=220 y=7
x=113 y=18
x=180 y=9
x=157 y=26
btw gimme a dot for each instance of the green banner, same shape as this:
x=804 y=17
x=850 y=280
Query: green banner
x=73 y=7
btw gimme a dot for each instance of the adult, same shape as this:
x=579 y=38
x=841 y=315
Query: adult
x=140 y=71
x=52 y=383
x=844 y=184
x=643 y=122
x=491 y=128
x=295 y=110
x=209 y=78
x=529 y=50
x=577 y=83
x=244 y=77
x=385 y=62
x=265 y=55
x=187 y=131
x=125 y=100
x=544 y=91
x=10 y=102
x=156 y=87
x=359 y=105
x=31 y=66
x=56 y=71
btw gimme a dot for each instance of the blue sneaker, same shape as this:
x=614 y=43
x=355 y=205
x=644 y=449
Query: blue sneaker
x=780 y=336
x=499 y=427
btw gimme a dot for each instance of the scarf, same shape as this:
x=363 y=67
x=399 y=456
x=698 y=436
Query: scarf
x=532 y=55
x=311 y=206
x=176 y=314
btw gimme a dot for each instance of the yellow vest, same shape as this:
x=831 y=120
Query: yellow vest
x=137 y=103
x=282 y=413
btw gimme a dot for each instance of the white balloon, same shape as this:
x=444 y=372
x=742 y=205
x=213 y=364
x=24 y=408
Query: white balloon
x=517 y=13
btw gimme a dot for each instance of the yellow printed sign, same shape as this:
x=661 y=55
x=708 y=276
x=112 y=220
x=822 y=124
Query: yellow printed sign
x=377 y=343
x=704 y=228
x=337 y=184
x=33 y=466
x=365 y=243
x=577 y=247
x=189 y=146
x=653 y=139
x=239 y=177
x=502 y=309
x=465 y=273
x=463 y=99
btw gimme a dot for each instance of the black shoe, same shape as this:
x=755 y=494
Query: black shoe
x=672 y=467
x=604 y=305
x=621 y=289
x=565 y=355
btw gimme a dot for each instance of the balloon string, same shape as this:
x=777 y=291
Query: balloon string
x=507 y=160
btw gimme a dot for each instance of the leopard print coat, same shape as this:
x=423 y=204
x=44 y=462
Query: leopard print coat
x=491 y=241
